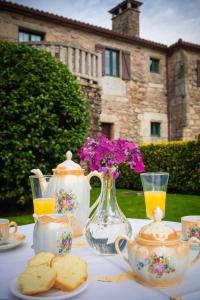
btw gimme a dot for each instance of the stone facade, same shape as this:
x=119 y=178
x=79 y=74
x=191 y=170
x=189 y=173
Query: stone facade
x=169 y=97
x=184 y=95
x=93 y=95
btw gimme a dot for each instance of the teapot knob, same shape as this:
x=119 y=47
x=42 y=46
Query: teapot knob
x=157 y=214
x=69 y=155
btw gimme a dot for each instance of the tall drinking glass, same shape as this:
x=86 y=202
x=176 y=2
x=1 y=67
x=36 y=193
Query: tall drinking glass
x=154 y=187
x=42 y=204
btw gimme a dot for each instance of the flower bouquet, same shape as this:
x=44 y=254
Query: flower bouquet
x=108 y=220
x=105 y=155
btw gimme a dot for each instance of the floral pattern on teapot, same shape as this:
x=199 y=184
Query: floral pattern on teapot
x=66 y=202
x=157 y=265
x=64 y=243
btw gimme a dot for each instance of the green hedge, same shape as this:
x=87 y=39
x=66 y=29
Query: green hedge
x=43 y=114
x=180 y=159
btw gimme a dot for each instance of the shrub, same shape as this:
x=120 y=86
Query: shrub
x=43 y=114
x=180 y=159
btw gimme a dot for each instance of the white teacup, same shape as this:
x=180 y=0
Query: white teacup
x=5 y=225
x=191 y=228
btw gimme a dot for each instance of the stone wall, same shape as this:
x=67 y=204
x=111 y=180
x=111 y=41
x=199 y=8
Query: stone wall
x=192 y=129
x=177 y=95
x=184 y=96
x=93 y=94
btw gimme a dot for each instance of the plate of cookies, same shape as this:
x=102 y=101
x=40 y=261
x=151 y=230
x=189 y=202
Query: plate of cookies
x=51 y=277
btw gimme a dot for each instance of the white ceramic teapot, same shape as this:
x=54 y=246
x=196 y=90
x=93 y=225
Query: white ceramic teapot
x=71 y=188
x=52 y=233
x=158 y=256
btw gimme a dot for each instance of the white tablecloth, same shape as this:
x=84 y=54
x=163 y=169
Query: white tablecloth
x=14 y=261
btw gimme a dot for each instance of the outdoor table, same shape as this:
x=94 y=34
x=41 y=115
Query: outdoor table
x=14 y=261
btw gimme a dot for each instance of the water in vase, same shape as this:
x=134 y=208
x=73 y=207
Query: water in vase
x=101 y=236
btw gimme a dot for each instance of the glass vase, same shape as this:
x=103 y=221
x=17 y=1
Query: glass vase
x=108 y=221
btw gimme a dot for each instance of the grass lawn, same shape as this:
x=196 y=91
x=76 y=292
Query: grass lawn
x=133 y=206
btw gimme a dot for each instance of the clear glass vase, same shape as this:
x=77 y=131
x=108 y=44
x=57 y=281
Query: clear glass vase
x=108 y=221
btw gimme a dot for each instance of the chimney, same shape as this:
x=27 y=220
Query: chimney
x=125 y=17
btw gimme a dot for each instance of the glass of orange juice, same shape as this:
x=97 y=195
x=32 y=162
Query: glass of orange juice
x=42 y=203
x=154 y=187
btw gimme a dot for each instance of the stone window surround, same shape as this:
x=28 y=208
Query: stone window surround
x=153 y=77
x=146 y=119
x=105 y=118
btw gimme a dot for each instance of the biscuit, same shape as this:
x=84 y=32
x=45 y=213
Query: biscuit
x=41 y=258
x=36 y=279
x=71 y=271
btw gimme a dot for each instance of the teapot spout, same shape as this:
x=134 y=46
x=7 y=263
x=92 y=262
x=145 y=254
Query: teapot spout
x=42 y=180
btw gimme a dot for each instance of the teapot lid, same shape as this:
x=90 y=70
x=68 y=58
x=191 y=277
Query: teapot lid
x=158 y=232
x=68 y=167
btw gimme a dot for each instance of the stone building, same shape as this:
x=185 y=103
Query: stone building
x=136 y=89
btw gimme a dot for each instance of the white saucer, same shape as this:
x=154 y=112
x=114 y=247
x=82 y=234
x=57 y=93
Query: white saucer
x=14 y=240
x=52 y=294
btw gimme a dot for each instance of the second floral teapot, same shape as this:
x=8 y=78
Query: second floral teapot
x=71 y=189
x=158 y=256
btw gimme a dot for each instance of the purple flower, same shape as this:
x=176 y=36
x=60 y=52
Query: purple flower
x=102 y=154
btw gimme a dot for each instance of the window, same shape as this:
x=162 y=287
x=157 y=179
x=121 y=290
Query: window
x=106 y=129
x=155 y=129
x=111 y=62
x=115 y=62
x=154 y=65
x=25 y=36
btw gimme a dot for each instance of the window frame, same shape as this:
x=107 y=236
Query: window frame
x=155 y=132
x=30 y=33
x=154 y=70
x=111 y=62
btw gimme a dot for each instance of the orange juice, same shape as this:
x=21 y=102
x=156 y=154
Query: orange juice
x=153 y=199
x=44 y=206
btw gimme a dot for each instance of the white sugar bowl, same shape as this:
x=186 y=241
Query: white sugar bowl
x=52 y=233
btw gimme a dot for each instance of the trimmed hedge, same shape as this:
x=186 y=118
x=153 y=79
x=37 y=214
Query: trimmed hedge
x=43 y=114
x=180 y=159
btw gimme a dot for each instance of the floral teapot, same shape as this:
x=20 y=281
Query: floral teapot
x=71 y=188
x=158 y=256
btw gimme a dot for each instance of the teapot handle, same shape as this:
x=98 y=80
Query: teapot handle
x=197 y=257
x=89 y=176
x=118 y=239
